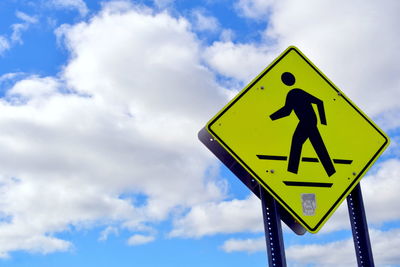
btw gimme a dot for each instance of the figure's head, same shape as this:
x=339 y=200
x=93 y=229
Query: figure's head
x=288 y=78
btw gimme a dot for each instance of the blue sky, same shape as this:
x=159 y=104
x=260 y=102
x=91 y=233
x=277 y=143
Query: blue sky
x=101 y=102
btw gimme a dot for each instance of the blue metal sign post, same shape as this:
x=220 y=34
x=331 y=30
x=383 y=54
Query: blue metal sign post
x=273 y=229
x=359 y=228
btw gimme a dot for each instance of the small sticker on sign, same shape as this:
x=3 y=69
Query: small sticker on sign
x=309 y=204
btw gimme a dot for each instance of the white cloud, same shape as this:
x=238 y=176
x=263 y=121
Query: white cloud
x=4 y=44
x=166 y=64
x=339 y=253
x=387 y=121
x=34 y=87
x=227 y=35
x=380 y=193
x=79 y=5
x=355 y=43
x=241 y=61
x=26 y=18
x=18 y=28
x=249 y=245
x=256 y=9
x=394 y=148
x=127 y=125
x=223 y=217
x=136 y=240
x=163 y=3
x=15 y=240
x=110 y=230
x=9 y=76
x=17 y=32
x=204 y=22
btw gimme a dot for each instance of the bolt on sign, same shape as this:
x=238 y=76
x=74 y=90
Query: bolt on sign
x=300 y=137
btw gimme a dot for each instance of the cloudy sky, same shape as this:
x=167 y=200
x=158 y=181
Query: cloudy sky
x=100 y=106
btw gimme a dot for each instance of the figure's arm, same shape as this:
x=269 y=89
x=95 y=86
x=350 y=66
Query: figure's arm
x=282 y=112
x=321 y=112
x=320 y=106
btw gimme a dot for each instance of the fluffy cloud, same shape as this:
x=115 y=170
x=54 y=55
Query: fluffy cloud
x=113 y=138
x=355 y=43
x=357 y=48
x=163 y=3
x=18 y=28
x=241 y=61
x=250 y=245
x=256 y=9
x=140 y=240
x=110 y=230
x=340 y=253
x=380 y=191
x=78 y=5
x=26 y=18
x=223 y=217
x=204 y=22
x=6 y=42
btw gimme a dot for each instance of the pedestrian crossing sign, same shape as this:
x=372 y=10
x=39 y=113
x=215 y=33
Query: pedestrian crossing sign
x=300 y=137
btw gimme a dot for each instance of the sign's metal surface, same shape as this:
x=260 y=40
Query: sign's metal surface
x=300 y=137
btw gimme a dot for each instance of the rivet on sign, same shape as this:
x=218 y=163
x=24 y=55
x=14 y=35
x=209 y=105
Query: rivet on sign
x=262 y=87
x=354 y=173
x=272 y=171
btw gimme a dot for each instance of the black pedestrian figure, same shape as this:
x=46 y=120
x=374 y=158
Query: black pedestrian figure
x=300 y=101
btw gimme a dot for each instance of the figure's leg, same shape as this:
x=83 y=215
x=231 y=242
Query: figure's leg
x=323 y=155
x=300 y=135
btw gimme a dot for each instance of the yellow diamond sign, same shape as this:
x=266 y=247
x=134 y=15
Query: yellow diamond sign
x=300 y=137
